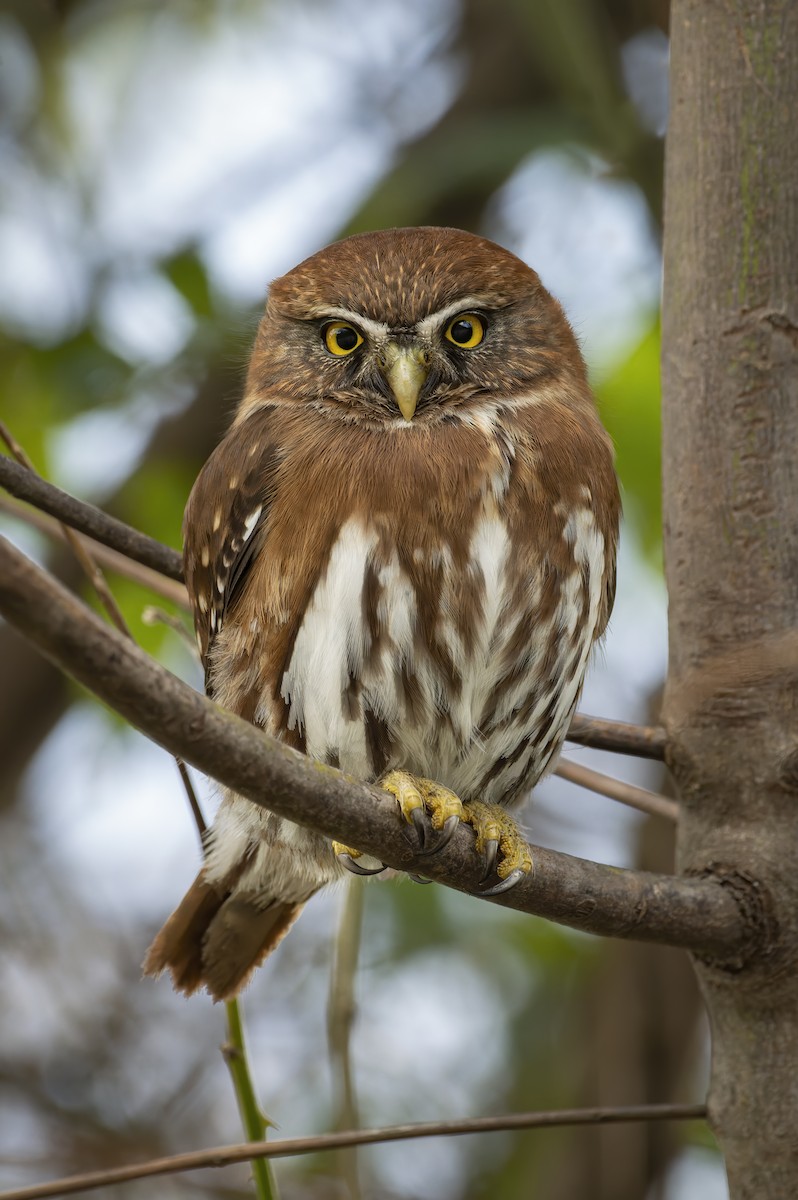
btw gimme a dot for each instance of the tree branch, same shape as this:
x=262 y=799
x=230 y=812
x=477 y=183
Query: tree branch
x=111 y=560
x=92 y=571
x=617 y=789
x=224 y=1156
x=88 y=519
x=644 y=741
x=700 y=914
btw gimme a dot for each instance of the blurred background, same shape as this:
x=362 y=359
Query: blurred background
x=159 y=165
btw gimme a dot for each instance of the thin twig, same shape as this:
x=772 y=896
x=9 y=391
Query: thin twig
x=89 y=567
x=698 y=913
x=88 y=519
x=223 y=1156
x=191 y=796
x=340 y=1019
x=252 y=1118
x=152 y=615
x=644 y=741
x=617 y=789
x=111 y=560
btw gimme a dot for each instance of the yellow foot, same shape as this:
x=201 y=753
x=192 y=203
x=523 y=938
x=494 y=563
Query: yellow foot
x=417 y=797
x=347 y=857
x=498 y=837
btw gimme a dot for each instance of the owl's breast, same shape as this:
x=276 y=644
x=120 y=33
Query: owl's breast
x=452 y=659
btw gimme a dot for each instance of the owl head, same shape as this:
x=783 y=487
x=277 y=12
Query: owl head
x=410 y=326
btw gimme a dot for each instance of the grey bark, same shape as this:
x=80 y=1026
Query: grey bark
x=730 y=383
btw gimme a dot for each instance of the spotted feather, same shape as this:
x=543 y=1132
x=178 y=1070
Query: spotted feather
x=235 y=489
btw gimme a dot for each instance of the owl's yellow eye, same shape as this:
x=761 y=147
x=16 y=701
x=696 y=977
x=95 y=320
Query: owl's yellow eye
x=465 y=330
x=341 y=339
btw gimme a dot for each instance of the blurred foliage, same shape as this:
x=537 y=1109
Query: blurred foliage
x=116 y=1070
x=630 y=407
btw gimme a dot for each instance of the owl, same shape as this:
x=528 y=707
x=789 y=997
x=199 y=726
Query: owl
x=398 y=559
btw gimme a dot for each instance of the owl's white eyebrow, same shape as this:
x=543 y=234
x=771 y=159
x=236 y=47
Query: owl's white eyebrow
x=428 y=325
x=374 y=329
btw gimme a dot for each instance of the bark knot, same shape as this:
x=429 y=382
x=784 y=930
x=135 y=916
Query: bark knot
x=756 y=909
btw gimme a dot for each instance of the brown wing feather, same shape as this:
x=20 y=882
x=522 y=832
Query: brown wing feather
x=225 y=522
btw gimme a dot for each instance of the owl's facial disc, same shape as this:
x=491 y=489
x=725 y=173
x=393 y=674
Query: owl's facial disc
x=405 y=368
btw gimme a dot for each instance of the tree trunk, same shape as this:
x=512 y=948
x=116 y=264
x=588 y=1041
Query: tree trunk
x=730 y=381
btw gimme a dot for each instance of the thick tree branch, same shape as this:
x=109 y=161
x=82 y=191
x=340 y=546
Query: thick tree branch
x=699 y=914
x=88 y=519
x=224 y=1156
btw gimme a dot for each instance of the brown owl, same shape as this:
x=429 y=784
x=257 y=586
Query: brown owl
x=399 y=559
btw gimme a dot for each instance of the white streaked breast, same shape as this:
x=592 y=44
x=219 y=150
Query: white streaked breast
x=329 y=647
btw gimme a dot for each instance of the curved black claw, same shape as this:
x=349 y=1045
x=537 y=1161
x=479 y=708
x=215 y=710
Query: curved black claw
x=421 y=825
x=447 y=833
x=491 y=854
x=354 y=866
x=506 y=884
x=418 y=878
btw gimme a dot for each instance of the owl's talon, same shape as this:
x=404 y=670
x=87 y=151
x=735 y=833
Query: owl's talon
x=347 y=857
x=352 y=865
x=426 y=805
x=418 y=819
x=505 y=885
x=500 y=840
x=404 y=788
x=491 y=854
x=418 y=878
x=433 y=809
x=450 y=826
x=447 y=833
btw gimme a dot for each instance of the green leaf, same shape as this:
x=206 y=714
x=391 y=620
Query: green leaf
x=630 y=408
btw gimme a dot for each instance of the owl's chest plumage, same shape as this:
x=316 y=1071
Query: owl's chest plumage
x=448 y=639
x=382 y=677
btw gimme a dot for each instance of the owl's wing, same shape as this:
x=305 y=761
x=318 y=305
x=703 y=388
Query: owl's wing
x=610 y=576
x=224 y=525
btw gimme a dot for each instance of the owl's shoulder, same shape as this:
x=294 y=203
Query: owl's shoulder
x=564 y=452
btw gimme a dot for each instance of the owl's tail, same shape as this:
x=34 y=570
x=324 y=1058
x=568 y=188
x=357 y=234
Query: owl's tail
x=215 y=939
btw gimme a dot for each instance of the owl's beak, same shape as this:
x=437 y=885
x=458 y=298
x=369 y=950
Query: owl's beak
x=405 y=368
